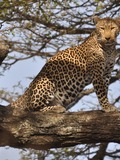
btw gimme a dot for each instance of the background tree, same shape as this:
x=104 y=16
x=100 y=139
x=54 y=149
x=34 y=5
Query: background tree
x=39 y=28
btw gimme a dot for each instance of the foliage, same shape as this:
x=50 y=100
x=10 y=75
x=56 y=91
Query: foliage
x=41 y=28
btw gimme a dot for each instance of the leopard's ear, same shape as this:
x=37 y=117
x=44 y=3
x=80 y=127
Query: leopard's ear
x=117 y=21
x=95 y=19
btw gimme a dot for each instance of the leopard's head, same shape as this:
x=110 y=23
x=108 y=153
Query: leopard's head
x=107 y=30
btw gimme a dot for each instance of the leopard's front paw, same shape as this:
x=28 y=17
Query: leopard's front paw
x=54 y=109
x=110 y=108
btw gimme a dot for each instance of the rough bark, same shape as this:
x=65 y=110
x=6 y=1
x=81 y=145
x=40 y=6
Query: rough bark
x=52 y=130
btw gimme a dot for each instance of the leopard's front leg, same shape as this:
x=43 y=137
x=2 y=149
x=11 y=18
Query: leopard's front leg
x=101 y=89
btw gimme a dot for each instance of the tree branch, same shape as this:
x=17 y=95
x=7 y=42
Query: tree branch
x=52 y=130
x=101 y=152
x=3 y=51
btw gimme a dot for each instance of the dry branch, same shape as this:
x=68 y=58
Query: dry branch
x=52 y=130
x=4 y=49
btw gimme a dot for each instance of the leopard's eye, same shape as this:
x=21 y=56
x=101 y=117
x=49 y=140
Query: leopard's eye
x=112 y=28
x=102 y=28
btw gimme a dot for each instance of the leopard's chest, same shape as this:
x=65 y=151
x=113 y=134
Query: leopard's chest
x=109 y=63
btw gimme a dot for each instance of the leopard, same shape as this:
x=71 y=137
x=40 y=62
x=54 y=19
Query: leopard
x=58 y=85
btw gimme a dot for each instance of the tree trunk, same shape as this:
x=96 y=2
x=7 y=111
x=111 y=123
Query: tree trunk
x=52 y=130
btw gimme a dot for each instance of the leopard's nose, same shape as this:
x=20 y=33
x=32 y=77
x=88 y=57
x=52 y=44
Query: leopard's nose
x=107 y=38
